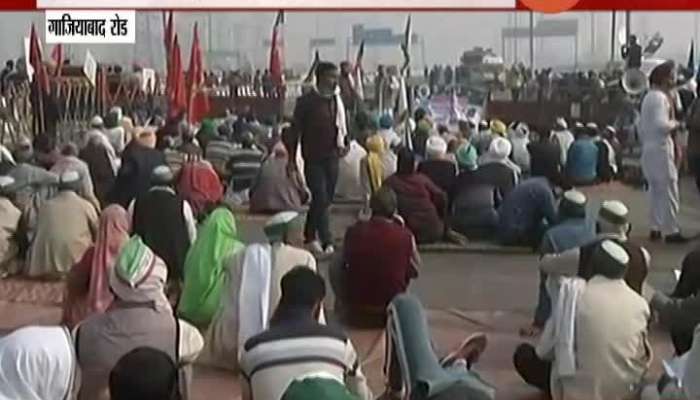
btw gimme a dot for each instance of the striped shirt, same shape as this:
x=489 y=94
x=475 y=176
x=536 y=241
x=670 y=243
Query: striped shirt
x=243 y=167
x=218 y=153
x=296 y=347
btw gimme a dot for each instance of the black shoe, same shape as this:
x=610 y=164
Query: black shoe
x=676 y=238
x=654 y=236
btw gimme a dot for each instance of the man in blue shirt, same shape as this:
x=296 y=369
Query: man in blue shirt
x=526 y=212
x=574 y=230
x=582 y=158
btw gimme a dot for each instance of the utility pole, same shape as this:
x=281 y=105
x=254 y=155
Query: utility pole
x=593 y=38
x=613 y=35
x=628 y=26
x=532 y=40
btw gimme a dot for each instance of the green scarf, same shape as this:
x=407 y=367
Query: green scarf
x=317 y=388
x=217 y=239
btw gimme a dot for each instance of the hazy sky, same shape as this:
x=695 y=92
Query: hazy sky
x=444 y=36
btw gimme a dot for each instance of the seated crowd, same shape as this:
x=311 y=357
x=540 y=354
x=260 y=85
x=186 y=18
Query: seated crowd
x=140 y=223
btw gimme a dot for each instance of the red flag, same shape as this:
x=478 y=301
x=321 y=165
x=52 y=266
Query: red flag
x=198 y=101
x=35 y=59
x=168 y=34
x=276 y=51
x=57 y=58
x=176 y=80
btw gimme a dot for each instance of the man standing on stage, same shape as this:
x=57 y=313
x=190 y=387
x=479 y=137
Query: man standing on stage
x=632 y=53
x=656 y=129
x=319 y=122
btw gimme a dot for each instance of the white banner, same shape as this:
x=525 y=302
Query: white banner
x=105 y=26
x=279 y=4
x=90 y=67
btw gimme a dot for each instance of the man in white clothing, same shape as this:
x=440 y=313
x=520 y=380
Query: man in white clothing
x=657 y=128
x=610 y=351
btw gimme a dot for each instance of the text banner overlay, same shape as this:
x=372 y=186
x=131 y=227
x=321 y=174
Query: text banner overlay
x=104 y=26
x=282 y=4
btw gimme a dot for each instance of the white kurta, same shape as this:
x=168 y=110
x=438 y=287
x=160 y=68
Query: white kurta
x=221 y=348
x=658 y=161
x=612 y=351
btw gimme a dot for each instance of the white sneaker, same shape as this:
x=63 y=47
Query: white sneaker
x=329 y=249
x=315 y=247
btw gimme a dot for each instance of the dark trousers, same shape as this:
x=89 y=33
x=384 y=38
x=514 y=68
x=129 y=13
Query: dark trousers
x=321 y=177
x=687 y=286
x=544 y=303
x=695 y=169
x=531 y=368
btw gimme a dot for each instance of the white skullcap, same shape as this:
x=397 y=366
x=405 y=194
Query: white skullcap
x=578 y=125
x=69 y=177
x=575 y=197
x=561 y=122
x=610 y=129
x=6 y=181
x=96 y=121
x=615 y=251
x=162 y=174
x=281 y=218
x=435 y=146
x=500 y=147
x=613 y=211
x=592 y=125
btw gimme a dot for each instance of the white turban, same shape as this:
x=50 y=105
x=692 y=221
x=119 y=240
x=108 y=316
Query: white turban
x=435 y=147
x=500 y=148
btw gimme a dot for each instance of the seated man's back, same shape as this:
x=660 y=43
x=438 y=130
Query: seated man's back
x=296 y=344
x=582 y=161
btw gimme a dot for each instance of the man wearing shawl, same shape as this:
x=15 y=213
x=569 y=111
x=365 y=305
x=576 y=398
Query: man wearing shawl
x=9 y=223
x=274 y=190
x=67 y=226
x=205 y=267
x=200 y=186
x=114 y=131
x=139 y=316
x=421 y=203
x=379 y=164
x=161 y=210
x=69 y=161
x=320 y=126
x=473 y=211
x=545 y=158
x=38 y=363
x=562 y=136
x=599 y=349
x=572 y=231
x=138 y=161
x=519 y=139
x=87 y=291
x=436 y=166
x=101 y=172
x=495 y=169
x=251 y=288
x=297 y=344
x=381 y=251
x=31 y=181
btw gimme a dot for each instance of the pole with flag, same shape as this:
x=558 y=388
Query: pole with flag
x=358 y=73
x=41 y=79
x=57 y=58
x=310 y=78
x=691 y=58
x=197 y=101
x=404 y=110
x=168 y=36
x=277 y=51
x=175 y=85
